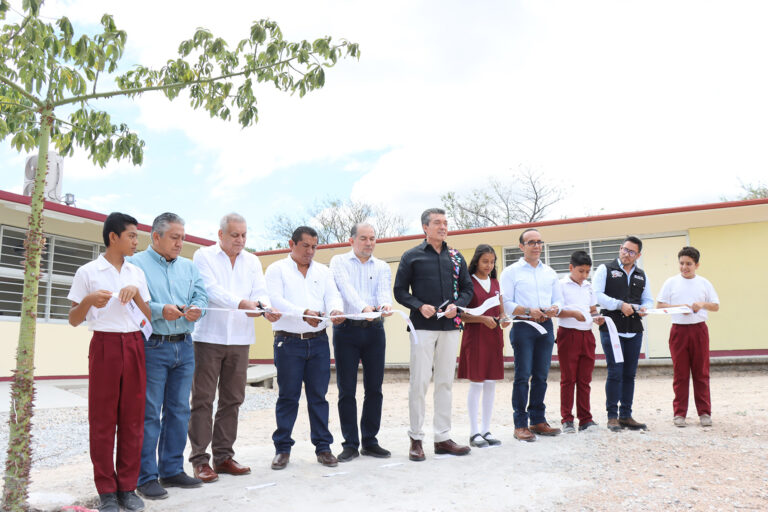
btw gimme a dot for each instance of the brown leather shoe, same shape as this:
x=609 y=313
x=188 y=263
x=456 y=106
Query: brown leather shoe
x=451 y=448
x=523 y=434
x=280 y=461
x=205 y=473
x=327 y=459
x=631 y=424
x=543 y=429
x=231 y=467
x=416 y=453
x=613 y=425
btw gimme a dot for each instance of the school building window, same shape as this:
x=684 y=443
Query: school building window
x=60 y=260
x=558 y=256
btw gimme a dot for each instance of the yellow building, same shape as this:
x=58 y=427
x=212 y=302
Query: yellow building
x=74 y=238
x=717 y=230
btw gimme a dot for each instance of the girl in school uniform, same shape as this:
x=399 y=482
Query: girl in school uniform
x=481 y=359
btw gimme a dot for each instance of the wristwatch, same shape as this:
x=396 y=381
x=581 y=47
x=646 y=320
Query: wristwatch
x=527 y=311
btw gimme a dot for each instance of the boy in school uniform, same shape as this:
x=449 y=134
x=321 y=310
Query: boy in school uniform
x=576 y=342
x=689 y=336
x=116 y=375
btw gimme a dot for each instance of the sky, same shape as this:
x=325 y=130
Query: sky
x=625 y=105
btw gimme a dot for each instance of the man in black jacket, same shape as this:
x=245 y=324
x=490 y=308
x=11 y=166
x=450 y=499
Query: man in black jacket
x=433 y=279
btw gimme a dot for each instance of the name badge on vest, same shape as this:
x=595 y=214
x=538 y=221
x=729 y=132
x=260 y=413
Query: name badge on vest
x=616 y=273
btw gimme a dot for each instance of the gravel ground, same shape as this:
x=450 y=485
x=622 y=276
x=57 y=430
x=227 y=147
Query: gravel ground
x=664 y=468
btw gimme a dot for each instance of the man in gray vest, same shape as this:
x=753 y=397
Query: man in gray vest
x=624 y=293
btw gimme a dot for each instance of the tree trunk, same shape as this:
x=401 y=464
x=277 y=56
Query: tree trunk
x=18 y=464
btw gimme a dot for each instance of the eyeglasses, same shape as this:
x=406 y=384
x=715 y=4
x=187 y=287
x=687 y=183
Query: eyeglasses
x=629 y=251
x=534 y=243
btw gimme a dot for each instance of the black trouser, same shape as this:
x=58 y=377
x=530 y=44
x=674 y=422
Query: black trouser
x=351 y=345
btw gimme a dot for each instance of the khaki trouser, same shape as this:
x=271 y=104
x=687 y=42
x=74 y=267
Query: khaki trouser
x=227 y=366
x=438 y=349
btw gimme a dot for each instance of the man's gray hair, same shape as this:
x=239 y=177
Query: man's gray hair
x=163 y=221
x=428 y=212
x=230 y=217
x=353 y=231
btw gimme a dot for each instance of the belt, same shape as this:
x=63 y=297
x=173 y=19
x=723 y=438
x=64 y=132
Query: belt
x=300 y=335
x=169 y=337
x=365 y=323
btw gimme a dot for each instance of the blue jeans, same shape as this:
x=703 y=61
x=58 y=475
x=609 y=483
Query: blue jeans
x=351 y=345
x=170 y=368
x=297 y=361
x=533 y=357
x=620 y=382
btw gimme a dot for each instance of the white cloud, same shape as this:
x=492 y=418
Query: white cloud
x=627 y=105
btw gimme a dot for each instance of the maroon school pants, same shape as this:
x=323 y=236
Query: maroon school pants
x=116 y=392
x=576 y=353
x=689 y=346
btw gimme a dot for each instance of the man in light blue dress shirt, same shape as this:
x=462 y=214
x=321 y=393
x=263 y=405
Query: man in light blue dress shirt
x=178 y=298
x=531 y=291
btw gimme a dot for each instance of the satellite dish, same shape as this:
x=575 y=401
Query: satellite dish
x=52 y=181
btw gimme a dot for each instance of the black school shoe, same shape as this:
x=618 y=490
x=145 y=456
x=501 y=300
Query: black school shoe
x=152 y=490
x=347 y=454
x=129 y=501
x=376 y=451
x=108 y=502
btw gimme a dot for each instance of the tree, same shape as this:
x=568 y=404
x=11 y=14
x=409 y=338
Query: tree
x=333 y=219
x=523 y=199
x=754 y=191
x=47 y=70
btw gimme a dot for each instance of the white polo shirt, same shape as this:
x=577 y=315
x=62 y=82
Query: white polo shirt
x=291 y=292
x=577 y=296
x=679 y=290
x=102 y=275
x=227 y=285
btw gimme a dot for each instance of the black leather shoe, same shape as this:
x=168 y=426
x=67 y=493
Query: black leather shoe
x=347 y=454
x=280 y=460
x=108 y=502
x=376 y=451
x=152 y=490
x=129 y=501
x=182 y=480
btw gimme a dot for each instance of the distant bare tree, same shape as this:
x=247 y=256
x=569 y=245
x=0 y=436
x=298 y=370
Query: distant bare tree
x=754 y=191
x=333 y=219
x=523 y=198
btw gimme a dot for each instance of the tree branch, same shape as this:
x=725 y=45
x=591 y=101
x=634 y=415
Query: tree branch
x=177 y=85
x=21 y=91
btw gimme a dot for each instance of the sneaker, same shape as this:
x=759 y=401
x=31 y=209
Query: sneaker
x=182 y=480
x=705 y=420
x=129 y=501
x=478 y=441
x=491 y=440
x=347 y=454
x=568 y=427
x=679 y=421
x=108 y=502
x=585 y=425
x=152 y=490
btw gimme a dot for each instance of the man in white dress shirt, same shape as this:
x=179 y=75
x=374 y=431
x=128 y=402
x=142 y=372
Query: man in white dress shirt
x=233 y=280
x=365 y=284
x=302 y=290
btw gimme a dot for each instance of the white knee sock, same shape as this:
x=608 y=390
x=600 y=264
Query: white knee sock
x=473 y=406
x=489 y=391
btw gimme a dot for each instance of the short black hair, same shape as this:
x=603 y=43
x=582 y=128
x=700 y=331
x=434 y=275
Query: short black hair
x=116 y=223
x=579 y=258
x=527 y=231
x=479 y=251
x=301 y=230
x=636 y=241
x=691 y=252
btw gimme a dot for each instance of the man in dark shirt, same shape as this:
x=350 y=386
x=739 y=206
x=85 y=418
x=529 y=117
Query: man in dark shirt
x=433 y=279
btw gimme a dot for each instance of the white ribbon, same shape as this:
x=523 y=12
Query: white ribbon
x=479 y=310
x=677 y=310
x=142 y=321
x=618 y=356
